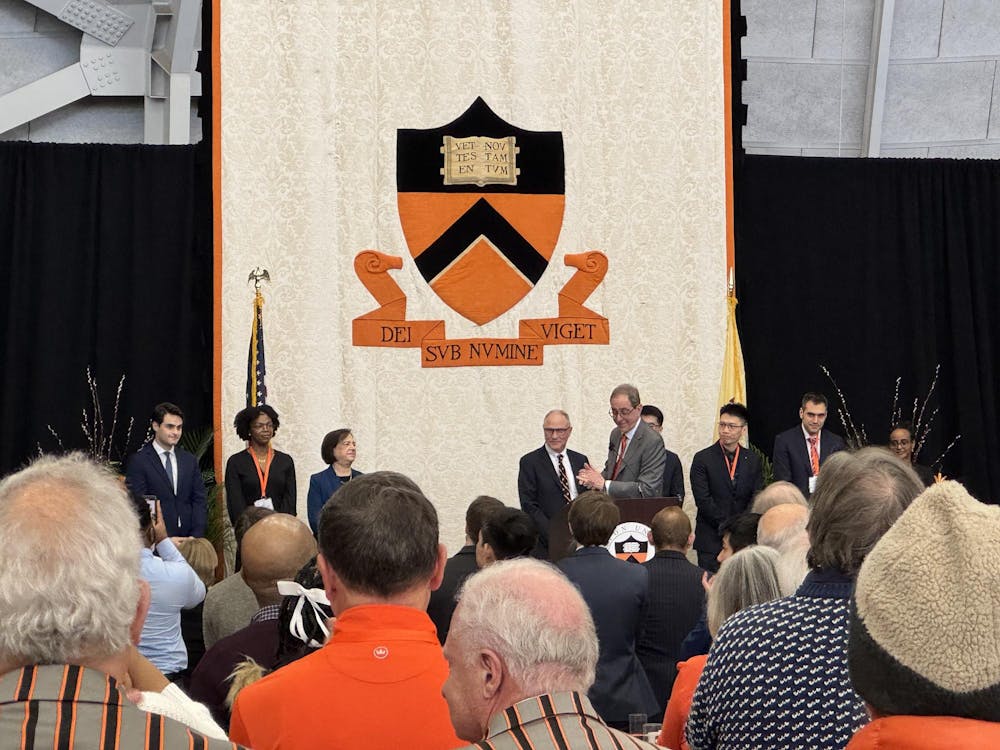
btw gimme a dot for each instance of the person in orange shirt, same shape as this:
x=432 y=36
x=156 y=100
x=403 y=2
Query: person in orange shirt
x=377 y=682
x=748 y=577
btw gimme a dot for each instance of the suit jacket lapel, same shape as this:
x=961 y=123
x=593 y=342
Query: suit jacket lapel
x=155 y=458
x=824 y=447
x=803 y=453
x=632 y=447
x=181 y=472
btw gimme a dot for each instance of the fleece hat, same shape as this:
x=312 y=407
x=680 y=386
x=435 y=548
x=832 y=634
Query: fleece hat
x=925 y=614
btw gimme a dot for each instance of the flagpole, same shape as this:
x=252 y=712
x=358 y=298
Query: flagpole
x=256 y=391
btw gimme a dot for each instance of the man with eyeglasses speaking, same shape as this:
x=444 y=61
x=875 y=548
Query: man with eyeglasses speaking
x=724 y=478
x=546 y=477
x=635 y=452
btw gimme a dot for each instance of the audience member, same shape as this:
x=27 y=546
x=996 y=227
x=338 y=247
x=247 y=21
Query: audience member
x=522 y=651
x=68 y=670
x=777 y=493
x=203 y=559
x=801 y=451
x=230 y=603
x=749 y=577
x=460 y=565
x=791 y=654
x=380 y=559
x=724 y=478
x=163 y=469
x=616 y=592
x=737 y=533
x=923 y=636
x=675 y=602
x=635 y=452
x=673 y=474
x=783 y=527
x=274 y=549
x=338 y=450
x=546 y=478
x=173 y=586
x=506 y=533
x=902 y=443
x=303 y=626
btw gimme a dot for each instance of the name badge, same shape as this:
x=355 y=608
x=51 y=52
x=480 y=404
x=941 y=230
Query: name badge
x=812 y=484
x=265 y=502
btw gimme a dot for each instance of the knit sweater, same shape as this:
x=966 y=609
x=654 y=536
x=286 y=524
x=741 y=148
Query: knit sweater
x=777 y=677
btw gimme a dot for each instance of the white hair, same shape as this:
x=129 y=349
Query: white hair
x=536 y=621
x=69 y=563
x=793 y=565
x=749 y=577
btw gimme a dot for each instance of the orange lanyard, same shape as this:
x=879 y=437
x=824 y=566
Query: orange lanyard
x=262 y=475
x=731 y=466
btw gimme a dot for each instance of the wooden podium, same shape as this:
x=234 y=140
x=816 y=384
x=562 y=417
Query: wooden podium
x=633 y=509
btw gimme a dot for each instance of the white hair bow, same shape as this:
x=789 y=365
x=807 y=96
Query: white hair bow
x=315 y=597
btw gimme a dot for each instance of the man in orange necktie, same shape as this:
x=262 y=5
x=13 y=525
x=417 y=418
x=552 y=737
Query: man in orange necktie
x=801 y=451
x=635 y=452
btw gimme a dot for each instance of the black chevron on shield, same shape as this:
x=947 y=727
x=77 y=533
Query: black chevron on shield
x=481 y=219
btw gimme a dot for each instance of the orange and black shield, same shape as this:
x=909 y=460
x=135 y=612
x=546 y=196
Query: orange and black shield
x=632 y=549
x=481 y=205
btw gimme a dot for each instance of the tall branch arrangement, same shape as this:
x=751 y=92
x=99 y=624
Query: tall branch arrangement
x=922 y=417
x=100 y=439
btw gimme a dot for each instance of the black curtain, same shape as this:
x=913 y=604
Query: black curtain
x=876 y=268
x=106 y=262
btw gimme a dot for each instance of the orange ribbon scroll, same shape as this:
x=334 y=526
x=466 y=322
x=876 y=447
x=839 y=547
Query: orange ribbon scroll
x=387 y=325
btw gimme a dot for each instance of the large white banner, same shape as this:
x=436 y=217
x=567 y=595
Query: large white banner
x=313 y=93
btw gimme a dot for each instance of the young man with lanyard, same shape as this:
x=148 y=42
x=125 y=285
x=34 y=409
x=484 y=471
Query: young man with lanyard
x=724 y=478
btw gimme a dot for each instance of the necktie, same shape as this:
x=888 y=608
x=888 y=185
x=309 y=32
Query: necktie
x=169 y=466
x=621 y=455
x=814 y=454
x=563 y=479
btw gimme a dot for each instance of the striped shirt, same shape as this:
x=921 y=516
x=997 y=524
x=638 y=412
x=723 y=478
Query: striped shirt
x=68 y=707
x=566 y=721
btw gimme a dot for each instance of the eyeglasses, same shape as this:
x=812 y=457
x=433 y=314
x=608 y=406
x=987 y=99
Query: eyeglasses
x=723 y=426
x=556 y=430
x=615 y=413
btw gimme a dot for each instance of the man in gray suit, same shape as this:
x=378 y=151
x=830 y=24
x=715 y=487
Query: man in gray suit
x=635 y=452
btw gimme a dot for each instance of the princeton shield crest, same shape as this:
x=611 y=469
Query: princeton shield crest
x=481 y=206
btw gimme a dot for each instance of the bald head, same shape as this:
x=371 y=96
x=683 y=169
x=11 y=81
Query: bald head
x=777 y=493
x=782 y=525
x=274 y=549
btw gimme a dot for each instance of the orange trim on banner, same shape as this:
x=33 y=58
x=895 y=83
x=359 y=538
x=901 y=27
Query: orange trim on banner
x=727 y=92
x=217 y=238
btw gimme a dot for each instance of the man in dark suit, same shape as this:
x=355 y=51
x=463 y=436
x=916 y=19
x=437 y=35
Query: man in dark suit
x=724 y=478
x=676 y=601
x=170 y=473
x=635 y=452
x=546 y=477
x=616 y=592
x=801 y=451
x=461 y=565
x=673 y=474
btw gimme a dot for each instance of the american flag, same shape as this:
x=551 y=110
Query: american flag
x=256 y=371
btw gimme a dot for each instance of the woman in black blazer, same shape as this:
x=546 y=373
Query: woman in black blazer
x=259 y=475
